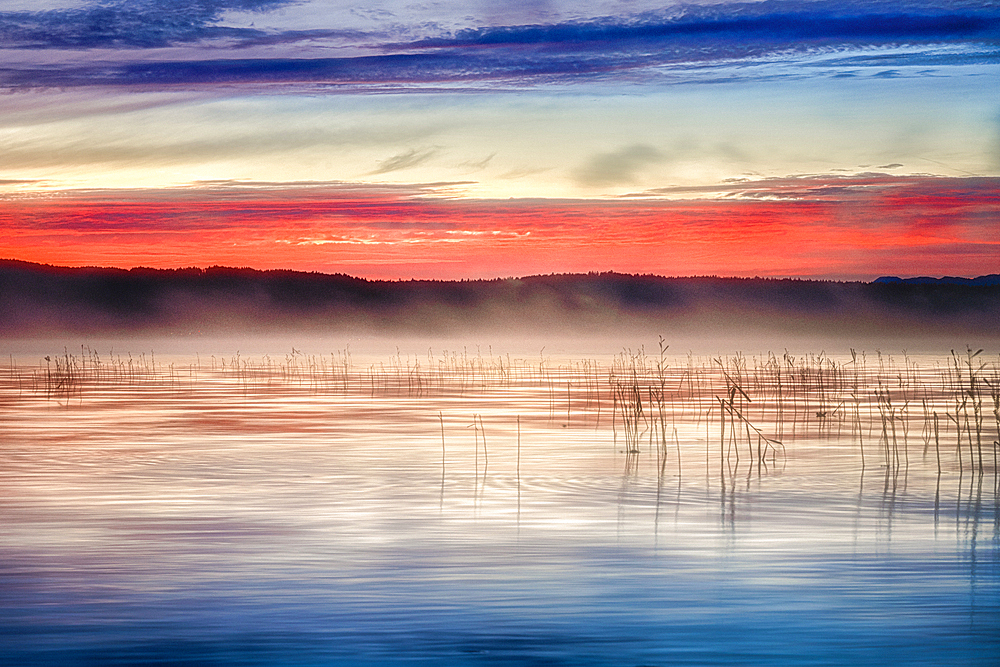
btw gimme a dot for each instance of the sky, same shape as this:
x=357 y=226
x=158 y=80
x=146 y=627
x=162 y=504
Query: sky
x=456 y=140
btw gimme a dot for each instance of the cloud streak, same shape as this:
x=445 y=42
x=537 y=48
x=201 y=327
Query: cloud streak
x=127 y=23
x=764 y=23
x=411 y=158
x=690 y=38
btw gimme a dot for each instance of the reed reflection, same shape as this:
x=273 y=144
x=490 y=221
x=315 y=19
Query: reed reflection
x=497 y=487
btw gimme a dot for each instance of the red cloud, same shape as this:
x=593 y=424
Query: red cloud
x=857 y=227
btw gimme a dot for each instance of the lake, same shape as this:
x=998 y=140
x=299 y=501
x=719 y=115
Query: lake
x=469 y=506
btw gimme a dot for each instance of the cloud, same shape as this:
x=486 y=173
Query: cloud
x=756 y=22
x=693 y=41
x=411 y=158
x=157 y=23
x=846 y=189
x=619 y=167
x=821 y=226
x=478 y=165
x=127 y=23
x=189 y=134
x=403 y=69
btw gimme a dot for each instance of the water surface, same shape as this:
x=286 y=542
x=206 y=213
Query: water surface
x=461 y=509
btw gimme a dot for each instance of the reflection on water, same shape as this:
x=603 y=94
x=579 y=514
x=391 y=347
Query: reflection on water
x=455 y=509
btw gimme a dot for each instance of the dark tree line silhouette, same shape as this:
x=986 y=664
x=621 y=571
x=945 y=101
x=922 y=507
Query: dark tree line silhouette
x=38 y=299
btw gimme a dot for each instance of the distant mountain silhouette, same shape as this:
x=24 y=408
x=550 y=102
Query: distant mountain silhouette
x=38 y=300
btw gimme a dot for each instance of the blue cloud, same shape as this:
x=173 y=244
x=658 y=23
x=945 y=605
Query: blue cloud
x=157 y=23
x=127 y=23
x=817 y=22
x=699 y=39
x=406 y=69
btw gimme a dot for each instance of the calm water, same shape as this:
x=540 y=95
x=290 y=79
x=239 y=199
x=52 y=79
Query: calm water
x=306 y=510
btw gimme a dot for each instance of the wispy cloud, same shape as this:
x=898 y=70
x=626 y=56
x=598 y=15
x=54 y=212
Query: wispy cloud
x=478 y=165
x=685 y=40
x=847 y=189
x=127 y=23
x=764 y=22
x=410 y=158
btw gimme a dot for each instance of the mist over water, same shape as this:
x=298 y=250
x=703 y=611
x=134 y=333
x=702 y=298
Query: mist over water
x=362 y=500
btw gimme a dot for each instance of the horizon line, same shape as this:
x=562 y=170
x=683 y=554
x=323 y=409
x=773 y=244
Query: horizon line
x=219 y=267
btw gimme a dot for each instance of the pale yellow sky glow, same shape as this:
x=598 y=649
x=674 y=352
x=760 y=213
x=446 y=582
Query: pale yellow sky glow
x=552 y=145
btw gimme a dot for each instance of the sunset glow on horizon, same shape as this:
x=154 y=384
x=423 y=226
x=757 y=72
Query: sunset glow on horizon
x=848 y=228
x=780 y=138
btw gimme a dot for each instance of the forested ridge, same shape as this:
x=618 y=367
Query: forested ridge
x=37 y=299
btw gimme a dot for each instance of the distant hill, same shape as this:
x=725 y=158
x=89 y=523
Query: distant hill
x=37 y=300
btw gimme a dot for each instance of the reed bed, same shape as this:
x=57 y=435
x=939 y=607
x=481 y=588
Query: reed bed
x=749 y=409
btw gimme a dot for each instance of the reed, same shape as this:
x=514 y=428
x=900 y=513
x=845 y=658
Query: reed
x=760 y=403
